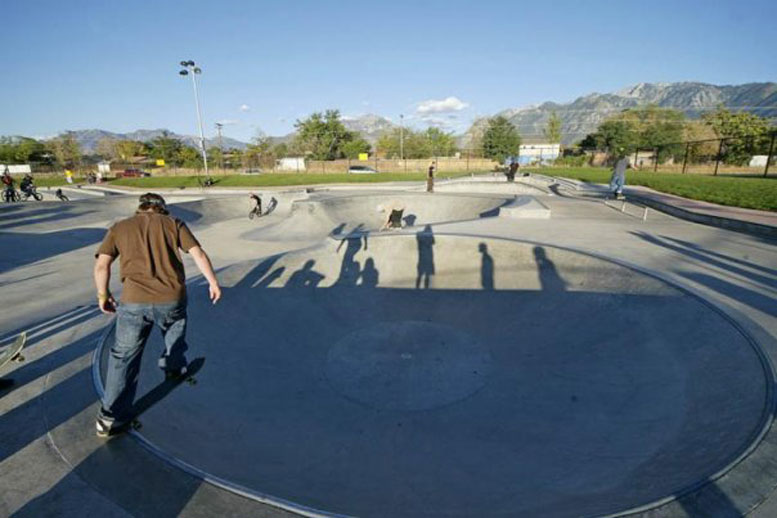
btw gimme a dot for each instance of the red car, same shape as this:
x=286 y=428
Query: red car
x=132 y=173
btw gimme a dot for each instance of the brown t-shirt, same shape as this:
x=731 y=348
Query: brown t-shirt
x=147 y=245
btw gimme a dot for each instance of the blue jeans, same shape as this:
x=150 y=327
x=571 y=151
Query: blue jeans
x=133 y=326
x=617 y=182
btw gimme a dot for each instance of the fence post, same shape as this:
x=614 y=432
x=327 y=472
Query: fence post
x=771 y=153
x=685 y=158
x=655 y=160
x=717 y=158
x=376 y=162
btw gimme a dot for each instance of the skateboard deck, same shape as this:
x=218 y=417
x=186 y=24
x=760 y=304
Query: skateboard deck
x=13 y=351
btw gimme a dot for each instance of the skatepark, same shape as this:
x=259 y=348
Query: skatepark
x=516 y=349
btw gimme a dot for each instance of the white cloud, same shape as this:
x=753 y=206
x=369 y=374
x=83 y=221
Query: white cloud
x=245 y=108
x=449 y=104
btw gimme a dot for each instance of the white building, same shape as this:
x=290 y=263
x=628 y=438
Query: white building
x=290 y=164
x=538 y=153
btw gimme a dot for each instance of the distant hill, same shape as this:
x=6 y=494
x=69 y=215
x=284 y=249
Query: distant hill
x=579 y=117
x=88 y=139
x=370 y=126
x=583 y=115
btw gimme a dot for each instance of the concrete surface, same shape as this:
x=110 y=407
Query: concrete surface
x=588 y=364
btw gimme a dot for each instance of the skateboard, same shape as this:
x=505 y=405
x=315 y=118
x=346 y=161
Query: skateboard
x=13 y=351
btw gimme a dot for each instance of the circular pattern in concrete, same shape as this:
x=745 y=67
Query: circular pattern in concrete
x=599 y=388
x=407 y=365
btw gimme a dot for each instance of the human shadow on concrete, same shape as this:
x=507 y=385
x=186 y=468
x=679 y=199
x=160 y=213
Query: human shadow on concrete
x=369 y=276
x=550 y=280
x=350 y=269
x=159 y=392
x=486 y=268
x=20 y=248
x=712 y=258
x=304 y=278
x=719 y=259
x=585 y=372
x=425 y=266
x=29 y=218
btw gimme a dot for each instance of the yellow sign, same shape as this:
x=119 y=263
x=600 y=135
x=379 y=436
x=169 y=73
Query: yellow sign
x=364 y=156
x=160 y=162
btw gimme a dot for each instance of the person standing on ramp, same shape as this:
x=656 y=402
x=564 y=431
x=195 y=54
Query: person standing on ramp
x=618 y=178
x=430 y=178
x=148 y=247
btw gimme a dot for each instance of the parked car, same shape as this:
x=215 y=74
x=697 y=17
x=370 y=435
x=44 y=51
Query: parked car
x=361 y=169
x=132 y=173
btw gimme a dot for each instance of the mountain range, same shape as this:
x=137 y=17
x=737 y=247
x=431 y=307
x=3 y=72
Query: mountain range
x=578 y=118
x=89 y=138
x=583 y=115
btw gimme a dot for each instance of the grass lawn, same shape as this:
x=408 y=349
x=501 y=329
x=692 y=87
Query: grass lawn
x=752 y=192
x=276 y=179
x=55 y=181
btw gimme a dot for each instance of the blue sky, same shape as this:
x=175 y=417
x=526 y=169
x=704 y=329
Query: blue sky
x=113 y=65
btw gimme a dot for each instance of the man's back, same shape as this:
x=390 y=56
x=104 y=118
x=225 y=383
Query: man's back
x=147 y=245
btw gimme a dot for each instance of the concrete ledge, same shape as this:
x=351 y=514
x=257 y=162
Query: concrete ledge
x=736 y=225
x=525 y=207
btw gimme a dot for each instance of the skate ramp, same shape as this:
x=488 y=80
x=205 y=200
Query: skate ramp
x=430 y=375
x=344 y=213
x=490 y=187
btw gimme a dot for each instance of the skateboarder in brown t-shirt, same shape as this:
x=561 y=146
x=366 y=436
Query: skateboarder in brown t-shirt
x=148 y=247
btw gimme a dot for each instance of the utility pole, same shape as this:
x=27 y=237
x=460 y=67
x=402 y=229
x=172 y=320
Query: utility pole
x=219 y=125
x=189 y=66
x=401 y=136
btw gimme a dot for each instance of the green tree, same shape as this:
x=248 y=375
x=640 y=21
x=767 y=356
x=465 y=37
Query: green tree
x=500 y=139
x=353 y=148
x=746 y=134
x=66 y=150
x=616 y=136
x=323 y=136
x=552 y=131
x=439 y=143
x=259 y=153
x=168 y=149
x=21 y=150
x=417 y=144
x=127 y=149
x=280 y=150
x=187 y=156
x=106 y=149
x=388 y=143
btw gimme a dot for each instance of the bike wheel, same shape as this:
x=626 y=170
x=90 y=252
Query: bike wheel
x=38 y=197
x=251 y=214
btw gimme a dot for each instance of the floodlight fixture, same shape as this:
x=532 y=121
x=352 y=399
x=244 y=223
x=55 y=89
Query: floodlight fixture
x=188 y=65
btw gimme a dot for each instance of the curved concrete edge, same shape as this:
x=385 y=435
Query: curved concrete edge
x=736 y=225
x=765 y=436
x=662 y=508
x=192 y=470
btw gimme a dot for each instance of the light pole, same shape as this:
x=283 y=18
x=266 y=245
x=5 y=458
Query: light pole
x=188 y=66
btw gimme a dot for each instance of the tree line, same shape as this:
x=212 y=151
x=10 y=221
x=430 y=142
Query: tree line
x=323 y=136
